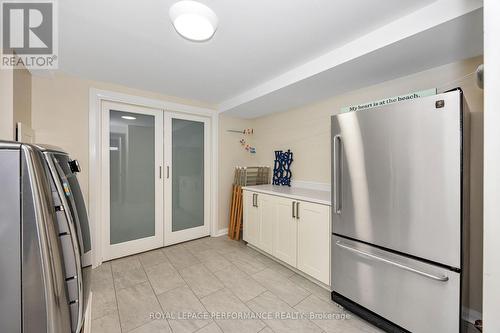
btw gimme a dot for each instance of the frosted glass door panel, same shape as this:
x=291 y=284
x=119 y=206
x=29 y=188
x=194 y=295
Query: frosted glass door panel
x=132 y=176
x=187 y=174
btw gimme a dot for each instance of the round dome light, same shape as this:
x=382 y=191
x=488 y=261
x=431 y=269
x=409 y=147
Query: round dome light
x=193 y=20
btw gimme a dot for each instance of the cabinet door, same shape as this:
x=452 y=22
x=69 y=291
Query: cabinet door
x=313 y=252
x=285 y=232
x=250 y=219
x=267 y=209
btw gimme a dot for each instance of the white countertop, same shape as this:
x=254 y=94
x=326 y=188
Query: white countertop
x=298 y=193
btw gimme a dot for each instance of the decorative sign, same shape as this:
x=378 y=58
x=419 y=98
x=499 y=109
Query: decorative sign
x=387 y=101
x=282 y=173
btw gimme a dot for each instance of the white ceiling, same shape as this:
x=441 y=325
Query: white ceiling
x=133 y=43
x=458 y=39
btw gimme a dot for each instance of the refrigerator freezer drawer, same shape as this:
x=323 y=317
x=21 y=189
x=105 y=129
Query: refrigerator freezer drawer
x=417 y=296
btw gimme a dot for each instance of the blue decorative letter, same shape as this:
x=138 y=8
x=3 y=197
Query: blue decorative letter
x=282 y=173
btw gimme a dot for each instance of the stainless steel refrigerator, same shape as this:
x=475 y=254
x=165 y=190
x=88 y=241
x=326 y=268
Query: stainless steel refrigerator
x=44 y=236
x=400 y=213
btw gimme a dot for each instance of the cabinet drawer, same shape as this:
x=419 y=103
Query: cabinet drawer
x=417 y=296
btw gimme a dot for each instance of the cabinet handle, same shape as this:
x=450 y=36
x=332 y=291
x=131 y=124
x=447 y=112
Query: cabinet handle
x=337 y=174
x=293 y=209
x=442 y=278
x=256 y=200
x=297 y=210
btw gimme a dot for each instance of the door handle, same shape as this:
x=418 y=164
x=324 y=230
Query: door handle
x=441 y=278
x=293 y=209
x=297 y=210
x=337 y=174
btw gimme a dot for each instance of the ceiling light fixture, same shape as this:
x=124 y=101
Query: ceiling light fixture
x=129 y=117
x=193 y=20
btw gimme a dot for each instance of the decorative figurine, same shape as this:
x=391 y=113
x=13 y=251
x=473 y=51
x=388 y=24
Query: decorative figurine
x=247 y=147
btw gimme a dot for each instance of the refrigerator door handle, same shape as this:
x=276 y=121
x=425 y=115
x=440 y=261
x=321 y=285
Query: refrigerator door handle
x=337 y=174
x=441 y=278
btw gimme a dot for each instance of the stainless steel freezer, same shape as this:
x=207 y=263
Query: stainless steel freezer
x=400 y=211
x=43 y=283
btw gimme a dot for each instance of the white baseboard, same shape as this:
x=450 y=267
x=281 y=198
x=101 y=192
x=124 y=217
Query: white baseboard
x=221 y=232
x=311 y=185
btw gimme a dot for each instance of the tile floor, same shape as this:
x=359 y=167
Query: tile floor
x=209 y=277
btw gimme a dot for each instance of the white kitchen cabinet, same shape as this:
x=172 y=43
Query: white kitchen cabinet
x=295 y=231
x=285 y=231
x=251 y=218
x=267 y=208
x=313 y=240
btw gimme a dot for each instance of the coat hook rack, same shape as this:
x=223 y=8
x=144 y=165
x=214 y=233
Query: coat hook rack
x=243 y=142
x=245 y=131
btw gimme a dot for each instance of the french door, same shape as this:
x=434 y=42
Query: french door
x=133 y=186
x=155 y=176
x=187 y=158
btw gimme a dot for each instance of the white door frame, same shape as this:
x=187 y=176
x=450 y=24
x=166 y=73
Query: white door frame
x=147 y=243
x=184 y=235
x=95 y=207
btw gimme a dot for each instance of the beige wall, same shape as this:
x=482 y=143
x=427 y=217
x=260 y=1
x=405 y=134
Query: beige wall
x=60 y=114
x=306 y=131
x=6 y=104
x=22 y=97
x=15 y=101
x=231 y=154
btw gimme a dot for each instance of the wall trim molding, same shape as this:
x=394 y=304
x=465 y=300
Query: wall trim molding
x=219 y=233
x=95 y=207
